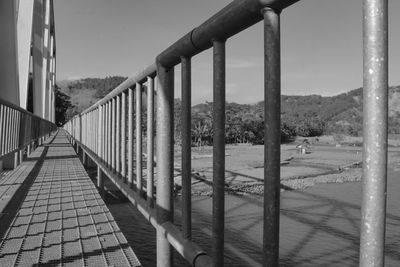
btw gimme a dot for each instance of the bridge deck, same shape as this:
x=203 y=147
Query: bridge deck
x=62 y=221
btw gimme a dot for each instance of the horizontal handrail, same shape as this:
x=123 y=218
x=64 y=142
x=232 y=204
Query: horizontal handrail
x=20 y=128
x=11 y=105
x=232 y=19
x=140 y=77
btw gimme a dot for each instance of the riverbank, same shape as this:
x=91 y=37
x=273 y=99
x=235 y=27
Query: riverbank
x=323 y=163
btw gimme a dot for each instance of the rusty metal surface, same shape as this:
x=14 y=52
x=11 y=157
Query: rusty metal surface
x=63 y=221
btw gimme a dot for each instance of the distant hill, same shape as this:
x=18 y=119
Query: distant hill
x=340 y=114
x=335 y=114
x=86 y=92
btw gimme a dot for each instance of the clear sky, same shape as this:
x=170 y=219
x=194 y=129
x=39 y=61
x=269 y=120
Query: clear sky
x=321 y=44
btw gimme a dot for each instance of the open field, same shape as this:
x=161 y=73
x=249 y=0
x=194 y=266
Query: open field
x=324 y=162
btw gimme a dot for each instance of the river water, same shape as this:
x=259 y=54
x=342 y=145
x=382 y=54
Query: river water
x=318 y=226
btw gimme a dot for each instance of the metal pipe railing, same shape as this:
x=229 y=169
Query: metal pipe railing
x=272 y=136
x=218 y=222
x=186 y=148
x=139 y=137
x=375 y=125
x=150 y=140
x=110 y=129
x=165 y=157
x=20 y=129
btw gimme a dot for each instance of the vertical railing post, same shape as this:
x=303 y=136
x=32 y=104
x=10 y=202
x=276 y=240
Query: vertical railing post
x=100 y=146
x=218 y=223
x=100 y=135
x=106 y=143
x=123 y=136
x=113 y=137
x=139 y=137
x=22 y=131
x=150 y=139
x=100 y=180
x=165 y=153
x=272 y=136
x=109 y=137
x=2 y=130
x=118 y=136
x=186 y=148
x=104 y=131
x=131 y=135
x=375 y=125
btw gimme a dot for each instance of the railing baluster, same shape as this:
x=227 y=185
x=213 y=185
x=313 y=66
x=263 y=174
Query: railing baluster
x=375 y=132
x=89 y=129
x=8 y=125
x=113 y=137
x=100 y=132
x=96 y=130
x=165 y=156
x=131 y=135
x=109 y=134
x=9 y=130
x=150 y=139
x=118 y=137
x=104 y=138
x=218 y=223
x=139 y=137
x=123 y=136
x=2 y=129
x=105 y=131
x=13 y=129
x=186 y=148
x=272 y=136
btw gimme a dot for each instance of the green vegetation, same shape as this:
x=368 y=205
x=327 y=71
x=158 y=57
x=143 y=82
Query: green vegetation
x=305 y=116
x=63 y=103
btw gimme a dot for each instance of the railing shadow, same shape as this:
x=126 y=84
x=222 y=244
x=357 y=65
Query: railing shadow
x=15 y=202
x=325 y=219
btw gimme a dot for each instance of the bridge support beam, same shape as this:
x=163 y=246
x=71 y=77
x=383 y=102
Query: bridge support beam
x=37 y=56
x=11 y=161
x=25 y=21
x=9 y=84
x=46 y=60
x=100 y=181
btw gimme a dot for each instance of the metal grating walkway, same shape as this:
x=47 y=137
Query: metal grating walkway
x=63 y=221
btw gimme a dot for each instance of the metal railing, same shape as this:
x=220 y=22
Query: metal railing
x=105 y=132
x=20 y=129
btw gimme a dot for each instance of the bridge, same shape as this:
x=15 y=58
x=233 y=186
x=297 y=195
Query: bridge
x=52 y=213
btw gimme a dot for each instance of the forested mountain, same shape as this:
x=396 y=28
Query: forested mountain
x=85 y=92
x=310 y=115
